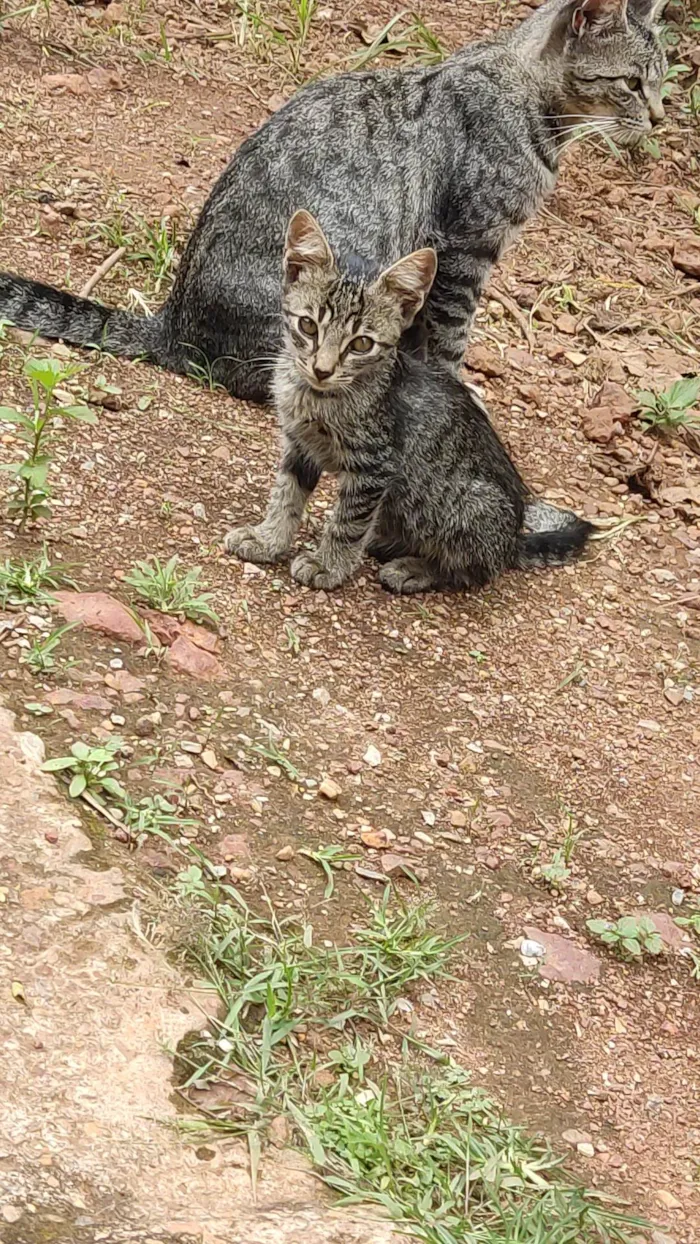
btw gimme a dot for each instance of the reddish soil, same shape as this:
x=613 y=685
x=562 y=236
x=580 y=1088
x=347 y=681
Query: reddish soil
x=498 y=716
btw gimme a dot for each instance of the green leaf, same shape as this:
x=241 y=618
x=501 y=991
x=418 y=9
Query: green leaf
x=58 y=762
x=46 y=372
x=144 y=402
x=628 y=926
x=113 y=788
x=80 y=750
x=9 y=415
x=77 y=786
x=685 y=393
x=598 y=927
x=632 y=946
x=654 y=944
x=611 y=938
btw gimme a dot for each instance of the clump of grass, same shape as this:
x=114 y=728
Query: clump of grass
x=400 y=38
x=31 y=492
x=670 y=410
x=427 y=1147
x=171 y=589
x=151 y=245
x=28 y=581
x=40 y=656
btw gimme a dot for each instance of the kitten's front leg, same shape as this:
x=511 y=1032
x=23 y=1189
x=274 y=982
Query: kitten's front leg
x=272 y=539
x=345 y=535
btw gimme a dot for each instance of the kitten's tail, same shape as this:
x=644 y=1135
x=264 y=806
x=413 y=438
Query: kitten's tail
x=554 y=538
x=54 y=313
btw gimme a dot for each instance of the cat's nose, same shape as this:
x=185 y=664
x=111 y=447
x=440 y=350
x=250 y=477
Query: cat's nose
x=321 y=374
x=657 y=112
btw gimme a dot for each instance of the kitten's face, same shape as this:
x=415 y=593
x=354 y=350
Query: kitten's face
x=614 y=66
x=337 y=326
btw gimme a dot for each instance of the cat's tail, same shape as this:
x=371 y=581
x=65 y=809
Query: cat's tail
x=54 y=313
x=553 y=536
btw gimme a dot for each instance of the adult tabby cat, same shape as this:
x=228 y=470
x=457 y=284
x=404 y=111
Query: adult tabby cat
x=425 y=484
x=456 y=156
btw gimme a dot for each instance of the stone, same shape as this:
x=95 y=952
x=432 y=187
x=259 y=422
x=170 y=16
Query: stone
x=234 y=847
x=564 y=960
x=574 y=1137
x=209 y=758
x=672 y=937
x=330 y=789
x=100 y=612
x=145 y=727
x=481 y=359
x=458 y=820
x=594 y=898
x=124 y=682
x=285 y=853
x=598 y=425
x=585 y=1149
x=392 y=864
x=615 y=398
x=667 y=1199
x=686 y=256
x=186 y=658
x=373 y=756
x=79 y=699
x=378 y=839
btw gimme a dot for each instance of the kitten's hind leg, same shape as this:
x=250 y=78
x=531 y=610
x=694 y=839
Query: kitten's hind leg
x=408 y=575
x=272 y=539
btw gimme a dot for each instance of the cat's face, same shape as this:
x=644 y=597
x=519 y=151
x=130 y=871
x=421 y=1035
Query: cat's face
x=338 y=326
x=614 y=66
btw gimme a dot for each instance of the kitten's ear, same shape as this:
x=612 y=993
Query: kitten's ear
x=409 y=281
x=305 y=247
x=647 y=11
x=594 y=15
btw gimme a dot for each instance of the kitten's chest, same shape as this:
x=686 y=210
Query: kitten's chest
x=324 y=445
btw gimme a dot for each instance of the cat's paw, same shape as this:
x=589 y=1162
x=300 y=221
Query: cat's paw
x=405 y=576
x=250 y=546
x=308 y=570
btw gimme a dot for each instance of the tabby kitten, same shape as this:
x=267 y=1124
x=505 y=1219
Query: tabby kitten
x=454 y=156
x=425 y=484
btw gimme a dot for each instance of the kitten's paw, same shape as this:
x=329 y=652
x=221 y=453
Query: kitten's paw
x=250 y=546
x=308 y=570
x=406 y=576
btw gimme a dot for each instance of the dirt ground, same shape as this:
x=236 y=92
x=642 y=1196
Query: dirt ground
x=496 y=720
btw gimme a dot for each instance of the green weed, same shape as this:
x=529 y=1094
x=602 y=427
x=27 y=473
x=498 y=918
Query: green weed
x=40 y=656
x=171 y=589
x=30 y=492
x=92 y=770
x=669 y=410
x=30 y=580
x=631 y=936
x=414 y=38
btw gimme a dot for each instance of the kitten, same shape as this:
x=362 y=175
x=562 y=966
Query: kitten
x=457 y=156
x=425 y=484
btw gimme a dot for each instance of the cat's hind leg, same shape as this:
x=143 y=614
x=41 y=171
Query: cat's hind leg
x=407 y=575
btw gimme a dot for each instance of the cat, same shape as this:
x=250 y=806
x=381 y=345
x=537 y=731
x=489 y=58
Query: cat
x=457 y=156
x=426 y=486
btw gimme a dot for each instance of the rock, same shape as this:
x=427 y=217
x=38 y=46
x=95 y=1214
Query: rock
x=278 y=1131
x=667 y=1199
x=186 y=658
x=674 y=695
x=145 y=727
x=594 y=898
x=11 y=1213
x=567 y=323
x=393 y=864
x=209 y=758
x=458 y=820
x=671 y=935
x=564 y=961
x=379 y=839
x=531 y=949
x=165 y=628
x=373 y=756
x=100 y=612
x=484 y=360
x=330 y=789
x=285 y=853
x=678 y=898
x=585 y=1149
x=234 y=847
x=598 y=424
x=615 y=398
x=191 y=746
x=369 y=874
x=574 y=1138
x=75 y=83
x=200 y=636
x=124 y=682
x=79 y=699
x=686 y=256
x=240 y=874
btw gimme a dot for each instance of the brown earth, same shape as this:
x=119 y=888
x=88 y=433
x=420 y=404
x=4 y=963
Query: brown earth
x=498 y=718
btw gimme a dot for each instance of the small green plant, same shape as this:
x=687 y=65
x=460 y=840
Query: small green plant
x=691 y=922
x=153 y=246
x=293 y=639
x=631 y=936
x=329 y=858
x=171 y=589
x=40 y=658
x=26 y=11
x=415 y=39
x=556 y=872
x=92 y=770
x=276 y=756
x=669 y=411
x=154 y=814
x=30 y=580
x=31 y=492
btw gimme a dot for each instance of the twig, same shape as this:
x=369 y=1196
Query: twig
x=103 y=269
x=514 y=310
x=683 y=292
x=101 y=809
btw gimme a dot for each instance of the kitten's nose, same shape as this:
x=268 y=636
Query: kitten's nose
x=657 y=112
x=321 y=374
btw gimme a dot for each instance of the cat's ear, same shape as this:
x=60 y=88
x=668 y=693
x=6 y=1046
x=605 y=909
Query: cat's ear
x=409 y=281
x=305 y=247
x=594 y=15
x=647 y=11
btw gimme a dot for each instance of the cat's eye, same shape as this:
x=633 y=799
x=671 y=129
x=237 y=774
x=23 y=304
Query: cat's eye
x=361 y=345
x=308 y=326
x=634 y=84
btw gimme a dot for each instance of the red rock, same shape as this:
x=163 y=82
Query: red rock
x=598 y=424
x=486 y=361
x=79 y=699
x=200 y=636
x=567 y=324
x=101 y=79
x=100 y=612
x=123 y=681
x=671 y=935
x=186 y=658
x=234 y=847
x=614 y=397
x=564 y=960
x=392 y=864
x=168 y=629
x=686 y=256
x=73 y=82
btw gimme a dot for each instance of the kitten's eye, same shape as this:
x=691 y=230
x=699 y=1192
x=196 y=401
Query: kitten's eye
x=634 y=84
x=308 y=326
x=361 y=345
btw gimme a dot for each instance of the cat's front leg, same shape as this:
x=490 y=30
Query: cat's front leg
x=271 y=540
x=345 y=535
